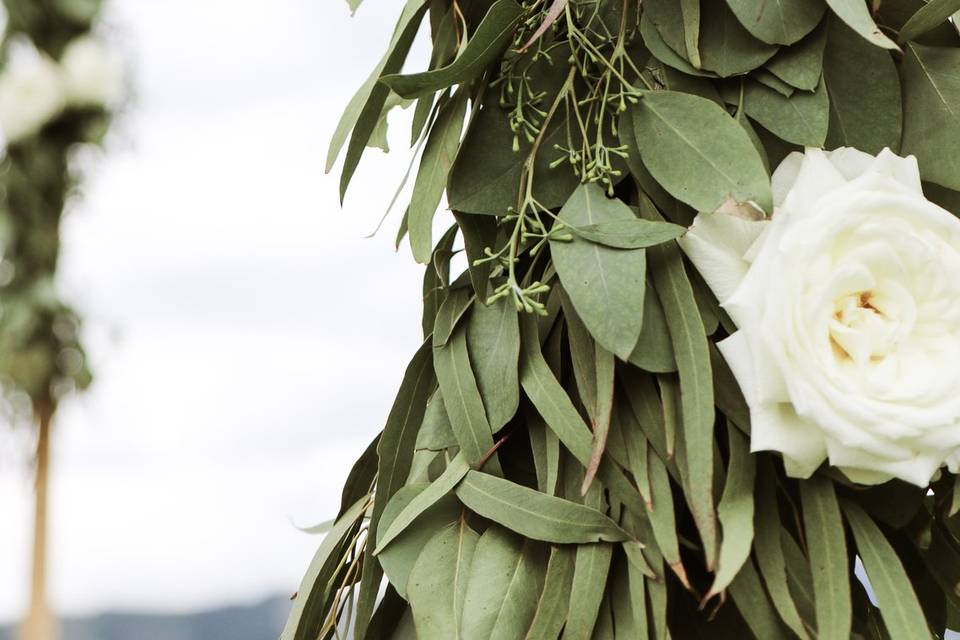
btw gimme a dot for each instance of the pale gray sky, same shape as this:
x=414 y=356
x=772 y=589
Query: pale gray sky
x=247 y=340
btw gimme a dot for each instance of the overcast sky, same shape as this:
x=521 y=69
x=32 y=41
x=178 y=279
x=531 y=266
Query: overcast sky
x=246 y=339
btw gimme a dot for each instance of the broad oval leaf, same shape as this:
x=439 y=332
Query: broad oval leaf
x=802 y=119
x=697 y=152
x=533 y=514
x=605 y=285
x=857 y=16
x=726 y=47
x=493 y=341
x=802 y=64
x=778 y=21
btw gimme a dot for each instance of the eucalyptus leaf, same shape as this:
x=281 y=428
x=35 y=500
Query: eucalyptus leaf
x=662 y=51
x=857 y=16
x=589 y=583
x=931 y=116
x=552 y=606
x=929 y=16
x=654 y=351
x=778 y=21
x=802 y=119
x=629 y=233
x=493 y=341
x=827 y=547
x=697 y=151
x=484 y=47
x=533 y=514
x=605 y=285
x=802 y=64
x=726 y=47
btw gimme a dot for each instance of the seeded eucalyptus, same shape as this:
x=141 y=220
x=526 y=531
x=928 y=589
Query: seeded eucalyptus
x=569 y=454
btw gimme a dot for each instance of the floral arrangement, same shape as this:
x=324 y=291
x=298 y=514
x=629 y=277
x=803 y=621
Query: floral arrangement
x=705 y=357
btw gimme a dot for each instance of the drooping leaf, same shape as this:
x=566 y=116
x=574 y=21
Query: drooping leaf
x=436 y=433
x=801 y=119
x=360 y=481
x=690 y=9
x=485 y=46
x=857 y=16
x=931 y=115
x=552 y=402
x=533 y=514
x=506 y=579
x=493 y=341
x=829 y=564
x=864 y=93
x=748 y=594
x=462 y=400
x=654 y=351
x=438 y=156
x=589 y=583
x=601 y=413
x=479 y=233
x=398 y=558
x=696 y=385
x=662 y=517
x=697 y=151
x=735 y=512
x=551 y=610
x=437 y=585
x=779 y=21
x=605 y=285
x=425 y=499
x=451 y=311
x=899 y=607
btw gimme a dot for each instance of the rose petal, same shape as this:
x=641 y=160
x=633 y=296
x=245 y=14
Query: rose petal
x=716 y=244
x=816 y=178
x=777 y=427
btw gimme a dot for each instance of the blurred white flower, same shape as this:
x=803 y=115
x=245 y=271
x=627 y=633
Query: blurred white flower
x=92 y=74
x=848 y=308
x=31 y=92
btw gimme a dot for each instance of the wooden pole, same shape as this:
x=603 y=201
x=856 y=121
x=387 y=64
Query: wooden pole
x=40 y=624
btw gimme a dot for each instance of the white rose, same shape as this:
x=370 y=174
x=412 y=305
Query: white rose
x=847 y=304
x=91 y=73
x=31 y=92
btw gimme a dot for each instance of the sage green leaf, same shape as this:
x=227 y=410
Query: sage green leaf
x=893 y=16
x=436 y=278
x=395 y=449
x=493 y=340
x=486 y=174
x=360 y=481
x=929 y=16
x=363 y=112
x=654 y=351
x=601 y=413
x=748 y=594
x=583 y=354
x=406 y=629
x=735 y=512
x=662 y=517
x=449 y=314
x=779 y=21
x=397 y=51
x=645 y=405
x=829 y=563
x=506 y=579
x=674 y=80
x=726 y=47
x=605 y=285
x=771 y=81
x=899 y=607
x=864 y=89
x=801 y=119
x=727 y=392
x=589 y=584
x=555 y=598
x=626 y=620
x=436 y=433
x=691 y=29
x=437 y=586
x=802 y=64
x=857 y=16
x=398 y=558
x=769 y=553
x=696 y=385
x=484 y=47
x=662 y=51
x=479 y=234
x=698 y=152
x=425 y=499
x=435 y=163
x=799 y=576
x=667 y=17
x=931 y=112
x=533 y=514
x=552 y=402
x=629 y=233
x=461 y=398
x=309 y=609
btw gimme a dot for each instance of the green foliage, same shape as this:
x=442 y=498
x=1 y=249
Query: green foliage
x=568 y=454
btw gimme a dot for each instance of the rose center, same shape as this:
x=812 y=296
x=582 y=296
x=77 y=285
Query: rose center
x=867 y=325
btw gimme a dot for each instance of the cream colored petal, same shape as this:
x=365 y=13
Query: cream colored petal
x=777 y=427
x=784 y=177
x=816 y=178
x=716 y=243
x=861 y=466
x=906 y=171
x=852 y=163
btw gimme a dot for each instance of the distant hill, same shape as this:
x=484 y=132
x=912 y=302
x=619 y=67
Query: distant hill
x=258 y=622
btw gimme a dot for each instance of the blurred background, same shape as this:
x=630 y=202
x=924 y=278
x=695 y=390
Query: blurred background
x=245 y=338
